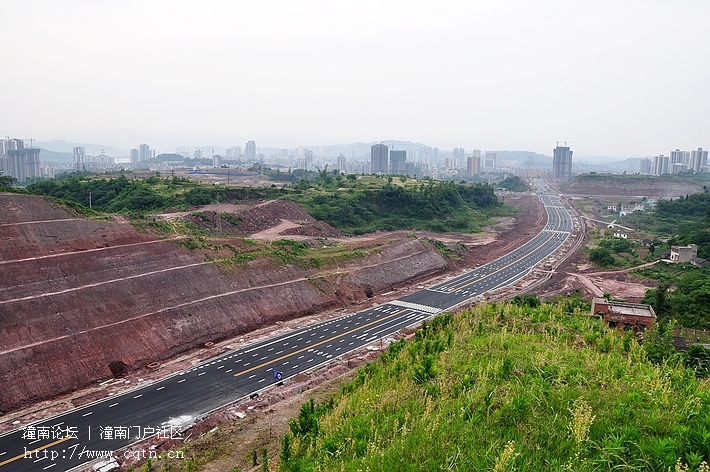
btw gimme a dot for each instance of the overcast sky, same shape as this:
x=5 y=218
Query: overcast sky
x=614 y=78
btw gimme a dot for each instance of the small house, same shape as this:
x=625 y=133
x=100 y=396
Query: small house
x=636 y=317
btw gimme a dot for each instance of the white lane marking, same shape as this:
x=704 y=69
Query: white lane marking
x=252 y=376
x=181 y=381
x=112 y=405
x=261 y=380
x=227 y=371
x=138 y=396
x=160 y=388
x=201 y=373
x=87 y=414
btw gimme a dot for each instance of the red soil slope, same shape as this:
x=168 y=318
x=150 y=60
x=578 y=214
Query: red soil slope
x=78 y=295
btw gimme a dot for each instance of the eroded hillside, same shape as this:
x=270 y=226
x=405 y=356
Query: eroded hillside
x=82 y=300
x=665 y=186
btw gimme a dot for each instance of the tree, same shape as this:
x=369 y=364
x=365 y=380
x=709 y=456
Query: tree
x=602 y=256
x=7 y=181
x=658 y=342
x=659 y=300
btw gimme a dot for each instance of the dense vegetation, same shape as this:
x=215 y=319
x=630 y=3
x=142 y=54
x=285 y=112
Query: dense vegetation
x=122 y=194
x=614 y=252
x=512 y=387
x=683 y=293
x=691 y=218
x=435 y=206
x=514 y=184
x=7 y=182
x=682 y=221
x=342 y=201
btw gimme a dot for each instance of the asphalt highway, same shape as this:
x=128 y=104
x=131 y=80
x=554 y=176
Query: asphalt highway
x=165 y=407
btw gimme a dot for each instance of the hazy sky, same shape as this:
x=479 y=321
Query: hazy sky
x=618 y=78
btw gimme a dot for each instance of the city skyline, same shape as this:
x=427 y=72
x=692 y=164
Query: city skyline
x=612 y=79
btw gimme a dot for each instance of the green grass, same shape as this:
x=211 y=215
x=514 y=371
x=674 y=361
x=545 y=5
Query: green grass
x=506 y=387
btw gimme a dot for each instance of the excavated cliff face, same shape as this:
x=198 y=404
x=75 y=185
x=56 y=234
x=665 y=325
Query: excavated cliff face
x=77 y=296
x=664 y=186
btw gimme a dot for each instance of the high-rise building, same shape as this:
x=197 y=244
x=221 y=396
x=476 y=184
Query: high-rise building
x=679 y=161
x=143 y=152
x=135 y=156
x=561 y=162
x=660 y=165
x=491 y=161
x=250 y=151
x=645 y=166
x=18 y=161
x=699 y=161
x=473 y=165
x=216 y=160
x=398 y=162
x=342 y=163
x=308 y=159
x=79 y=159
x=234 y=152
x=379 y=158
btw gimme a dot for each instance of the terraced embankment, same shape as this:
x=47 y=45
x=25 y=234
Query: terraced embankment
x=631 y=186
x=78 y=296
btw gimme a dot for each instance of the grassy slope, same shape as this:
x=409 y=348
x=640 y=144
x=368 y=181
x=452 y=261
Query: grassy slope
x=506 y=387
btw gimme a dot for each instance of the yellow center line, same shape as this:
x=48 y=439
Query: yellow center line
x=319 y=343
x=33 y=451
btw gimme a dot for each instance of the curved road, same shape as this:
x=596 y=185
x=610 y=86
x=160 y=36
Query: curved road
x=164 y=407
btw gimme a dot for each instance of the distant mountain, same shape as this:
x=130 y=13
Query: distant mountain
x=46 y=155
x=61 y=146
x=520 y=159
x=630 y=165
x=364 y=148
